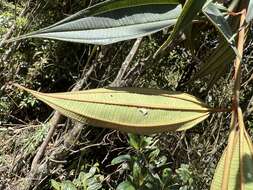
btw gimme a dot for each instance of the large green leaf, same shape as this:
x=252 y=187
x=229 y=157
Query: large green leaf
x=113 y=21
x=213 y=13
x=249 y=15
x=240 y=164
x=189 y=12
x=142 y=111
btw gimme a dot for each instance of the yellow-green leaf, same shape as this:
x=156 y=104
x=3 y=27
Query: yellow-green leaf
x=142 y=111
x=239 y=175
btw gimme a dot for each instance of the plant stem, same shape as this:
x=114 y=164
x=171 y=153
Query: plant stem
x=237 y=64
x=236 y=94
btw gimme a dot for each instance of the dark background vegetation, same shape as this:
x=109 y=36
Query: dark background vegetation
x=182 y=160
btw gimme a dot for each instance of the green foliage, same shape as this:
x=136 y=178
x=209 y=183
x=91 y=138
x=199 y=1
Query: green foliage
x=55 y=66
x=148 y=168
x=186 y=176
x=30 y=143
x=249 y=16
x=91 y=180
x=27 y=101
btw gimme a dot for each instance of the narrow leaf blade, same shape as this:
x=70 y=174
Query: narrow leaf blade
x=190 y=10
x=249 y=15
x=212 y=12
x=113 y=21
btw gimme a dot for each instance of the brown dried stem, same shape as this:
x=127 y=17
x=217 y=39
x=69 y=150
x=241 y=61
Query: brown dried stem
x=237 y=64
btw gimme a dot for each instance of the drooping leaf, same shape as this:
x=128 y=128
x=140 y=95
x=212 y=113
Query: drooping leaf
x=113 y=21
x=142 y=111
x=189 y=12
x=215 y=76
x=249 y=15
x=239 y=158
x=213 y=13
x=222 y=55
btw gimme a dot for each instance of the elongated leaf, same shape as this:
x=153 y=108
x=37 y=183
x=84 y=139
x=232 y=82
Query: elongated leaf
x=249 y=15
x=240 y=173
x=222 y=55
x=113 y=21
x=120 y=159
x=212 y=12
x=190 y=10
x=142 y=111
x=215 y=76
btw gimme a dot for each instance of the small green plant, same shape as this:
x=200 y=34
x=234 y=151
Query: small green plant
x=148 y=168
x=91 y=180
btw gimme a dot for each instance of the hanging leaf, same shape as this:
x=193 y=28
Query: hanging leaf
x=235 y=168
x=222 y=55
x=215 y=76
x=113 y=21
x=190 y=10
x=134 y=110
x=249 y=15
x=213 y=13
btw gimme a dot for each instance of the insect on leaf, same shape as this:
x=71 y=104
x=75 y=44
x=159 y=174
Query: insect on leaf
x=142 y=111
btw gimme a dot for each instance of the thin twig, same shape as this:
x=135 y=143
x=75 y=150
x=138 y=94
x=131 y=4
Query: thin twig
x=13 y=27
x=126 y=63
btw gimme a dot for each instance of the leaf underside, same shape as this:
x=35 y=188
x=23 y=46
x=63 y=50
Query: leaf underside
x=249 y=15
x=142 y=111
x=113 y=21
x=212 y=12
x=241 y=164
